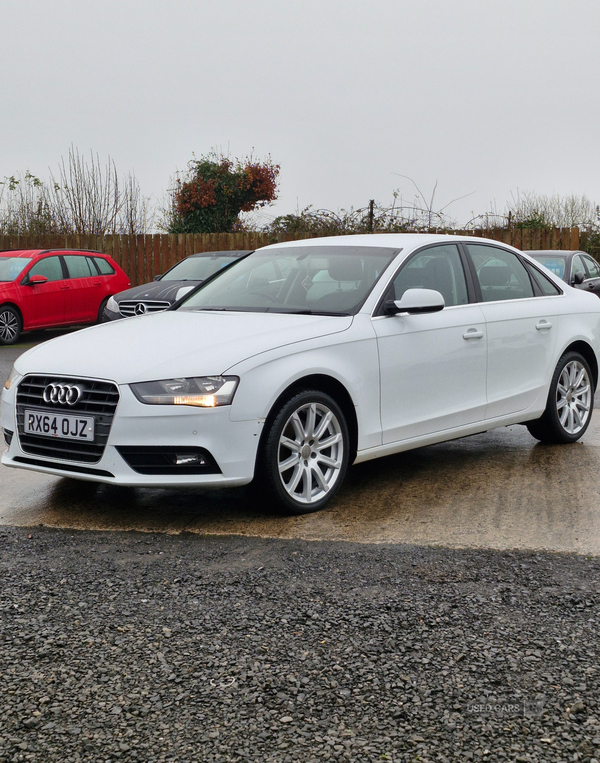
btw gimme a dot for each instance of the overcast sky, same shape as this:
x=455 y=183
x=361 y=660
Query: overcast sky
x=483 y=96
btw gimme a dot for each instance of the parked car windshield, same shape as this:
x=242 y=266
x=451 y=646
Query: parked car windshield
x=11 y=267
x=555 y=265
x=197 y=268
x=329 y=280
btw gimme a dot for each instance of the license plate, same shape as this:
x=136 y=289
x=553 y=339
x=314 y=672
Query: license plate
x=61 y=425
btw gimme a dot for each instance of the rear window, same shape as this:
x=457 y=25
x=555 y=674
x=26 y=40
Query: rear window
x=11 y=267
x=547 y=288
x=105 y=268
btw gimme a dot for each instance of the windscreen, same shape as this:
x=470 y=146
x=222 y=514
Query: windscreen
x=197 y=268
x=11 y=267
x=555 y=265
x=326 y=280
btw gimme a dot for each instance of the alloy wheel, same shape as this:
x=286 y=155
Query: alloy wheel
x=310 y=453
x=573 y=397
x=9 y=326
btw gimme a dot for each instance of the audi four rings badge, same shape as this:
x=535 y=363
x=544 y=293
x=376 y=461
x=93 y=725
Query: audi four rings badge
x=62 y=394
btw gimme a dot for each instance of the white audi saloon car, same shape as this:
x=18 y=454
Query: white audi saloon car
x=306 y=357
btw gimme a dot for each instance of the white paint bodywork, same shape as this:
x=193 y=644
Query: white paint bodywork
x=413 y=379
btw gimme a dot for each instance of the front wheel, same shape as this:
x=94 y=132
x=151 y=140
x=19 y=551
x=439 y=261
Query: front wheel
x=10 y=325
x=101 y=310
x=570 y=402
x=306 y=452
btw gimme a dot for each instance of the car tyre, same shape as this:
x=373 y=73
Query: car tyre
x=305 y=452
x=101 y=309
x=10 y=325
x=570 y=402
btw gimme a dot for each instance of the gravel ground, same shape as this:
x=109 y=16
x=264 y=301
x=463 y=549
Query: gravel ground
x=187 y=648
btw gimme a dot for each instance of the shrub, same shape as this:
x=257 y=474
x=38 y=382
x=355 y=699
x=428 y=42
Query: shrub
x=215 y=191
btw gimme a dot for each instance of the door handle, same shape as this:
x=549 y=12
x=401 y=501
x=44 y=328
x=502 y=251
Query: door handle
x=472 y=334
x=65 y=288
x=543 y=326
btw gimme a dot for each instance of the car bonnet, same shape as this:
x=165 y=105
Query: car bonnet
x=173 y=344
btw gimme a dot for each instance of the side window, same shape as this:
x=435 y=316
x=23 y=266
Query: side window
x=50 y=267
x=439 y=268
x=592 y=266
x=105 y=268
x=501 y=274
x=547 y=288
x=577 y=266
x=77 y=266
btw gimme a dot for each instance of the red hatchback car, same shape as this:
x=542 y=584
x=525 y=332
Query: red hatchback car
x=43 y=288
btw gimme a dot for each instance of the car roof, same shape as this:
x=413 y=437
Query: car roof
x=389 y=240
x=37 y=252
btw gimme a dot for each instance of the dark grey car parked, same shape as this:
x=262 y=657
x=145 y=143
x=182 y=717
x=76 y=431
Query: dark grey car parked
x=576 y=268
x=167 y=288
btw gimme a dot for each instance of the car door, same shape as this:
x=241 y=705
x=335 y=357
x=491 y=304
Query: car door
x=45 y=304
x=521 y=323
x=592 y=280
x=432 y=366
x=85 y=292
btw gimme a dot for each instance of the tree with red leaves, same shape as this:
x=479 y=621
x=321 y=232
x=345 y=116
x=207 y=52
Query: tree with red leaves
x=215 y=191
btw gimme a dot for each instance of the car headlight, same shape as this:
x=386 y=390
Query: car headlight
x=13 y=378
x=201 y=391
x=112 y=305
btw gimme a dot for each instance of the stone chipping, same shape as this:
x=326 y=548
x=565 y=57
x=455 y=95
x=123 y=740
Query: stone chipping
x=155 y=648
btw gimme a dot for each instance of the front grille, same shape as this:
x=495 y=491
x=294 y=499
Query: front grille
x=129 y=307
x=152 y=459
x=99 y=399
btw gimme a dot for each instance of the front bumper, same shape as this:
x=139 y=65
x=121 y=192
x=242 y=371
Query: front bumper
x=232 y=444
x=109 y=315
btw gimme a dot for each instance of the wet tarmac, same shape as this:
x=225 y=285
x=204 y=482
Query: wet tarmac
x=497 y=490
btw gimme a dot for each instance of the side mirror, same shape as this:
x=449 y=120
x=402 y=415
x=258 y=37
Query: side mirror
x=578 y=278
x=415 y=301
x=36 y=280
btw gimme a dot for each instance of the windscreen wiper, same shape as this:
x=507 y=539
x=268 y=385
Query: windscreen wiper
x=308 y=312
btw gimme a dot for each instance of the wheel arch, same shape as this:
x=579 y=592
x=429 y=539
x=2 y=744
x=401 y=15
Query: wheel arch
x=15 y=307
x=323 y=383
x=583 y=348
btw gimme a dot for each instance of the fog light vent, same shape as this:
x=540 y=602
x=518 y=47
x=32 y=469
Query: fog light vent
x=168 y=460
x=8 y=435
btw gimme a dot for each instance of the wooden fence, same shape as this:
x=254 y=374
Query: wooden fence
x=143 y=257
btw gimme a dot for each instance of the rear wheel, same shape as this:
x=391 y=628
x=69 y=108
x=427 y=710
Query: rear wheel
x=10 y=325
x=570 y=402
x=306 y=452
